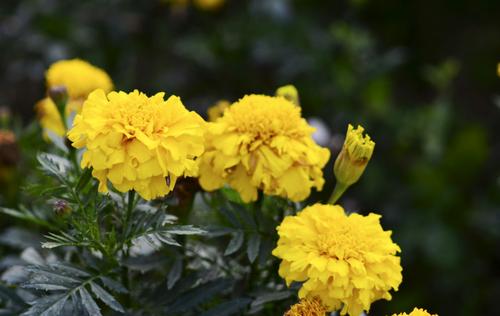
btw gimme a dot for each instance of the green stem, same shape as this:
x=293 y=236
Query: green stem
x=340 y=188
x=125 y=271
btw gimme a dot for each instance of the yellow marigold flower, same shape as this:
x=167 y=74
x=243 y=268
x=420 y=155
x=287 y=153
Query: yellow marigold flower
x=347 y=261
x=354 y=157
x=208 y=4
x=50 y=118
x=216 y=111
x=307 y=307
x=290 y=93
x=137 y=142
x=416 y=312
x=79 y=77
x=262 y=143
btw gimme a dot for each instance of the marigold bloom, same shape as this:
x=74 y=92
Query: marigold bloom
x=262 y=143
x=217 y=110
x=137 y=142
x=354 y=157
x=416 y=312
x=347 y=261
x=307 y=307
x=290 y=93
x=78 y=76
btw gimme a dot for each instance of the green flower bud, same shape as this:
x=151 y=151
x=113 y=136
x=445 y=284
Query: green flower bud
x=355 y=155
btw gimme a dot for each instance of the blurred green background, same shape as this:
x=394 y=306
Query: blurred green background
x=420 y=76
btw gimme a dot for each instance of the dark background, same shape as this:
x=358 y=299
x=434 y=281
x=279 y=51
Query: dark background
x=421 y=76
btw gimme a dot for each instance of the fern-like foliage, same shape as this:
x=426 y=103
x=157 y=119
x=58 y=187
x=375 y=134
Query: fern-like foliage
x=72 y=291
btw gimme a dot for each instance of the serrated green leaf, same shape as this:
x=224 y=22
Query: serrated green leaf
x=184 y=230
x=165 y=238
x=89 y=303
x=175 y=273
x=113 y=285
x=106 y=298
x=69 y=271
x=235 y=243
x=45 y=286
x=55 y=165
x=48 y=303
x=253 y=244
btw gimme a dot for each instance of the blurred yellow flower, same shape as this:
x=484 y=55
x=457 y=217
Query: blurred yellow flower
x=307 y=307
x=208 y=5
x=262 y=143
x=137 y=142
x=217 y=110
x=347 y=261
x=49 y=116
x=416 y=312
x=355 y=154
x=290 y=93
x=78 y=76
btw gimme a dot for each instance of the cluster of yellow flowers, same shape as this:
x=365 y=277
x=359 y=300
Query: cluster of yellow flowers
x=258 y=143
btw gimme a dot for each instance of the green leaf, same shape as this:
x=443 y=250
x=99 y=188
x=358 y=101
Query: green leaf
x=50 y=305
x=54 y=165
x=26 y=216
x=228 y=308
x=253 y=245
x=89 y=303
x=106 y=298
x=235 y=243
x=113 y=285
x=184 y=230
x=175 y=273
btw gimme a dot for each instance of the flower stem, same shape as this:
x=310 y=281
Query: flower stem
x=125 y=271
x=340 y=188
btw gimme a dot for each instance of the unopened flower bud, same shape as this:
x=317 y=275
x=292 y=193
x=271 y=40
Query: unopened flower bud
x=59 y=95
x=290 y=93
x=354 y=156
x=61 y=207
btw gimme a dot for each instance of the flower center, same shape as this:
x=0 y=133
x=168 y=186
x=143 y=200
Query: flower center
x=341 y=243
